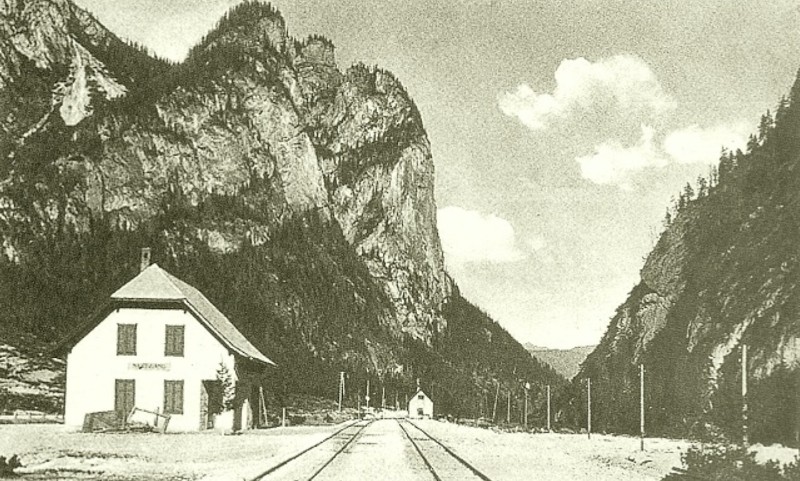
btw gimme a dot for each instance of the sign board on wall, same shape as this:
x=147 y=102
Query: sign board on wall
x=149 y=366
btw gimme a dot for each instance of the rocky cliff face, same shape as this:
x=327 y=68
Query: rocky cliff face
x=724 y=274
x=297 y=196
x=349 y=146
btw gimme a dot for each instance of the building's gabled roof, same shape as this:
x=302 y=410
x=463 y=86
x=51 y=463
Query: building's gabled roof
x=154 y=285
x=419 y=391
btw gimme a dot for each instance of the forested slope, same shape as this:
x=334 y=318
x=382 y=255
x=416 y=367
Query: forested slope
x=724 y=274
x=297 y=196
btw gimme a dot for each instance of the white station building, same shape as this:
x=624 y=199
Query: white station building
x=420 y=406
x=159 y=346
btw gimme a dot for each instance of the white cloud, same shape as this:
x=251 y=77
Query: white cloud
x=612 y=163
x=470 y=236
x=536 y=243
x=624 y=83
x=694 y=144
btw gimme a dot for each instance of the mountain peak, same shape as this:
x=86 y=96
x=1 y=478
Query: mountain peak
x=298 y=197
x=252 y=26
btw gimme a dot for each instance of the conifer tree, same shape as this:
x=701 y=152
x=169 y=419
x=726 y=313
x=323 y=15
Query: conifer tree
x=668 y=219
x=752 y=143
x=688 y=192
x=765 y=126
x=713 y=177
x=702 y=187
x=725 y=166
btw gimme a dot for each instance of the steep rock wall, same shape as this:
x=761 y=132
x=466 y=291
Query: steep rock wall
x=723 y=274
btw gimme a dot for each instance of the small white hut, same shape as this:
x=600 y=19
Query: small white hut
x=420 y=406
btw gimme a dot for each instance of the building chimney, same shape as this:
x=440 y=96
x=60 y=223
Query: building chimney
x=145 y=259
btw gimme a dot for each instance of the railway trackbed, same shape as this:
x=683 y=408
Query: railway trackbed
x=393 y=449
x=310 y=462
x=442 y=463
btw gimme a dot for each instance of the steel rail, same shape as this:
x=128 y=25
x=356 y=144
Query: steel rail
x=419 y=451
x=339 y=451
x=310 y=448
x=449 y=451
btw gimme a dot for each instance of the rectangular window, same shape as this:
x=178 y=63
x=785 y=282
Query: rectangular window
x=126 y=339
x=173 y=397
x=173 y=345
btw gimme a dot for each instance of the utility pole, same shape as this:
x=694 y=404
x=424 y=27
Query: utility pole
x=589 y=407
x=496 y=395
x=341 y=389
x=263 y=402
x=641 y=406
x=745 y=439
x=548 y=408
x=527 y=386
x=508 y=411
x=366 y=398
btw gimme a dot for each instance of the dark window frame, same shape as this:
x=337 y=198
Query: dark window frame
x=126 y=346
x=173 y=404
x=174 y=344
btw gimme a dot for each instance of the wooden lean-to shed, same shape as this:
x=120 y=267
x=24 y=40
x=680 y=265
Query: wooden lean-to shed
x=160 y=346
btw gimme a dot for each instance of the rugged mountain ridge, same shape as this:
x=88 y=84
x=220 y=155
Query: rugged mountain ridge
x=298 y=197
x=566 y=362
x=723 y=274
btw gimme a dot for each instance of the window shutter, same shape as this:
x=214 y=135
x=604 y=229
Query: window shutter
x=173 y=345
x=126 y=339
x=132 y=338
x=168 y=340
x=173 y=397
x=179 y=334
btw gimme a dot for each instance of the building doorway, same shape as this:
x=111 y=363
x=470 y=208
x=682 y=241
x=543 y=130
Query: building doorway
x=210 y=403
x=124 y=399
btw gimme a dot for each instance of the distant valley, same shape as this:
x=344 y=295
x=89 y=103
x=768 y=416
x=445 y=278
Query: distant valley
x=566 y=362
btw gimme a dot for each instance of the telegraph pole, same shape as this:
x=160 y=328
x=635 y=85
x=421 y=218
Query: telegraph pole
x=745 y=439
x=589 y=407
x=341 y=389
x=641 y=406
x=494 y=410
x=508 y=410
x=548 y=408
x=527 y=386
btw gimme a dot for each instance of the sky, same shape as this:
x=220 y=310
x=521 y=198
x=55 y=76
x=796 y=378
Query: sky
x=560 y=130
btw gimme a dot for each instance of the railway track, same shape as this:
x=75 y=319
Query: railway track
x=371 y=458
x=322 y=454
x=441 y=461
